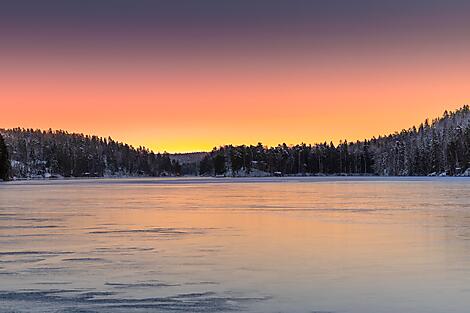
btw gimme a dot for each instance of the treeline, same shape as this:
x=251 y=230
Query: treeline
x=36 y=153
x=439 y=147
x=289 y=160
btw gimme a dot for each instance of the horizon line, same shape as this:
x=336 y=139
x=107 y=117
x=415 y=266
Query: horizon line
x=335 y=142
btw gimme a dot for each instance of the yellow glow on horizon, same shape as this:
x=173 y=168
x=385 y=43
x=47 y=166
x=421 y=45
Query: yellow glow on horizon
x=211 y=103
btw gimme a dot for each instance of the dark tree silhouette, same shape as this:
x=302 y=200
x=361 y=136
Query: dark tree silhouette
x=4 y=160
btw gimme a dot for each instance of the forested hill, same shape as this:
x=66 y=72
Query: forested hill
x=440 y=147
x=36 y=153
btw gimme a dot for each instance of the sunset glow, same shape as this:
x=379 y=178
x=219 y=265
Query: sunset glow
x=213 y=74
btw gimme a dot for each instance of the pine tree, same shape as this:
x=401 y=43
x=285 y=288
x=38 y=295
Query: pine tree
x=4 y=160
x=219 y=163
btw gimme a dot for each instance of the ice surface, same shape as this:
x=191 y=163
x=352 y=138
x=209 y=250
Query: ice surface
x=304 y=244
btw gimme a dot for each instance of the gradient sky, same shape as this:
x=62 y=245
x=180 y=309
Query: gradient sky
x=187 y=75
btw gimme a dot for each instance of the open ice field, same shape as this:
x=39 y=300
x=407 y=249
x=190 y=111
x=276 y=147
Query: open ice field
x=343 y=245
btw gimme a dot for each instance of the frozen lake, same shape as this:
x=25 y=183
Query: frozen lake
x=343 y=245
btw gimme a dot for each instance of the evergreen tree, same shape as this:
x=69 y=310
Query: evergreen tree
x=236 y=159
x=206 y=166
x=219 y=163
x=4 y=160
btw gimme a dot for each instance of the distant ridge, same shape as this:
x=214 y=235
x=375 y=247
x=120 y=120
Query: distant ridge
x=188 y=157
x=438 y=147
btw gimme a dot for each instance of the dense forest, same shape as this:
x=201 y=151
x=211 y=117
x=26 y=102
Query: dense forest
x=36 y=153
x=440 y=147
